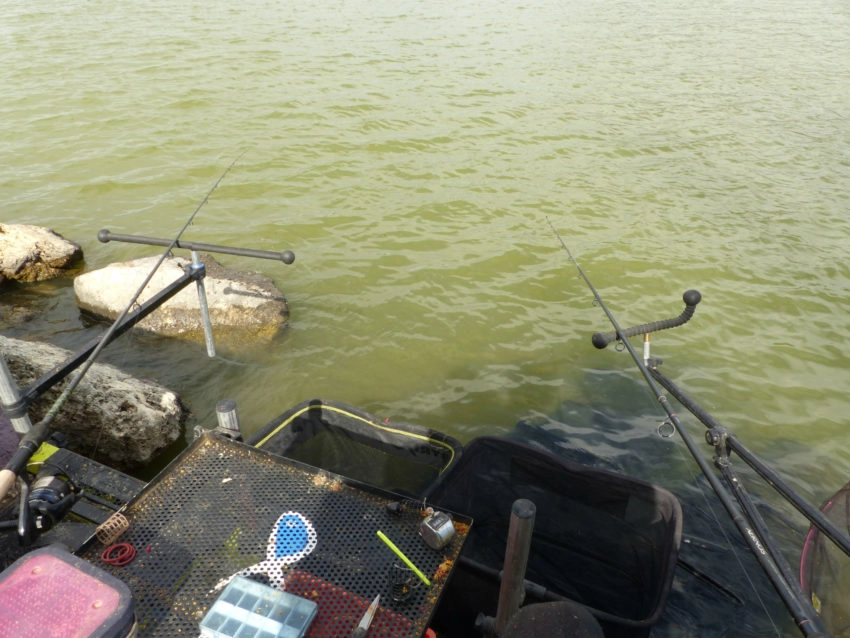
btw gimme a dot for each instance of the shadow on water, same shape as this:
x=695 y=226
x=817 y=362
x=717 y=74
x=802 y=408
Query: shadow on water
x=719 y=588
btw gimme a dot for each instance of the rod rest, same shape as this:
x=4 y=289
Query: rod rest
x=691 y=299
x=287 y=256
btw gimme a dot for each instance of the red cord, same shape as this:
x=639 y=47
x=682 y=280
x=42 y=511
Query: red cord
x=119 y=554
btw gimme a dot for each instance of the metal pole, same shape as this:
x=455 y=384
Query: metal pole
x=286 y=256
x=813 y=514
x=228 y=419
x=512 y=590
x=202 y=301
x=10 y=398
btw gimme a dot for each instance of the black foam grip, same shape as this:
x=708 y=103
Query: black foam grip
x=691 y=299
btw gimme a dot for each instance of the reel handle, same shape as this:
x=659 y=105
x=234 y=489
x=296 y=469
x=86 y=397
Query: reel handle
x=287 y=256
x=691 y=299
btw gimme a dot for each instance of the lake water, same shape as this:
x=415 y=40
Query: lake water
x=412 y=154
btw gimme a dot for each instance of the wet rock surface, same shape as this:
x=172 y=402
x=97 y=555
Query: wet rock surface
x=34 y=253
x=241 y=304
x=111 y=416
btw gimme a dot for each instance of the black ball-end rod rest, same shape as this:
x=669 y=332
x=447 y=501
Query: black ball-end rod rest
x=287 y=256
x=691 y=299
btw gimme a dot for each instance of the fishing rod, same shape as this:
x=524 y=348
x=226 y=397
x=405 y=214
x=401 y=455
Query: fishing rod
x=28 y=395
x=800 y=607
x=17 y=404
x=718 y=435
x=725 y=441
x=33 y=439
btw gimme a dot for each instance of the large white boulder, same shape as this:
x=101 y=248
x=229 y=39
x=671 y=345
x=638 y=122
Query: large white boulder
x=34 y=253
x=110 y=416
x=242 y=305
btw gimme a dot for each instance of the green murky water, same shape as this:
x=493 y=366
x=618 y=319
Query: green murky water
x=410 y=153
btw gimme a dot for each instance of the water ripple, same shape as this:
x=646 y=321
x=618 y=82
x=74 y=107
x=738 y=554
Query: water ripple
x=411 y=153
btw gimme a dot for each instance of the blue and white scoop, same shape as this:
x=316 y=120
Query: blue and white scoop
x=291 y=539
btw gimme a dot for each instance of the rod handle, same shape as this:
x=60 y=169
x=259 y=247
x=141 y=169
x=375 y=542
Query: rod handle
x=691 y=299
x=7 y=480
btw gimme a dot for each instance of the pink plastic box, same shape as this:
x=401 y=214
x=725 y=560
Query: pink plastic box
x=52 y=593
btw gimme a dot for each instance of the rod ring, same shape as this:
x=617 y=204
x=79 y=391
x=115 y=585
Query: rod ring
x=666 y=429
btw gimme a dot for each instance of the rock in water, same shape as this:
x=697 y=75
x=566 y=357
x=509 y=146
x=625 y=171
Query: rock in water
x=33 y=253
x=111 y=416
x=242 y=305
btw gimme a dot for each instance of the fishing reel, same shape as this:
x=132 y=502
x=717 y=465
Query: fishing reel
x=44 y=503
x=51 y=497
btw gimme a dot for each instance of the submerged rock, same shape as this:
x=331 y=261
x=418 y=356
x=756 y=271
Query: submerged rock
x=242 y=305
x=110 y=416
x=34 y=253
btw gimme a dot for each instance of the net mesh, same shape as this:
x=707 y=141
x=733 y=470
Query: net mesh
x=402 y=457
x=825 y=569
x=600 y=538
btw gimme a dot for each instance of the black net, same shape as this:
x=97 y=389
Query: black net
x=600 y=538
x=397 y=456
x=825 y=569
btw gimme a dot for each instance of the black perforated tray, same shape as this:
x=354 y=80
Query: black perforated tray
x=209 y=515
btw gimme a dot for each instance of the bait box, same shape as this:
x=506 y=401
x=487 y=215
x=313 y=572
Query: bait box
x=248 y=609
x=51 y=592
